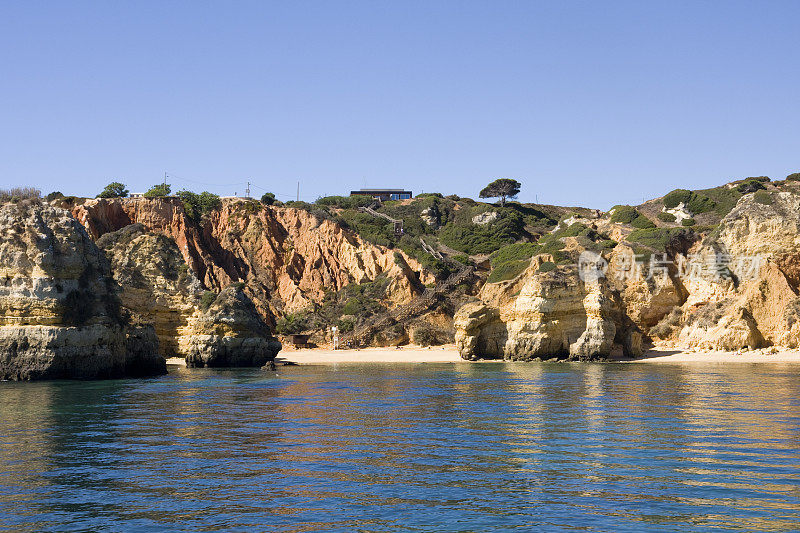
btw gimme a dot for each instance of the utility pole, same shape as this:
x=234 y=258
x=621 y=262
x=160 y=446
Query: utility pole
x=298 y=191
x=247 y=194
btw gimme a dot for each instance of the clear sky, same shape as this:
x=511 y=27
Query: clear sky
x=586 y=103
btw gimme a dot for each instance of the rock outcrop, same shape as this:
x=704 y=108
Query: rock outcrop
x=541 y=315
x=159 y=288
x=736 y=289
x=287 y=258
x=59 y=314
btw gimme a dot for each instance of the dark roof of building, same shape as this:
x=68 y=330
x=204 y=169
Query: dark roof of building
x=378 y=190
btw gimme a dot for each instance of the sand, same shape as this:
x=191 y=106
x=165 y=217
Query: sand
x=406 y=354
x=676 y=356
x=449 y=354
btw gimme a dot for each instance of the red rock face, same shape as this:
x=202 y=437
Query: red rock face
x=286 y=257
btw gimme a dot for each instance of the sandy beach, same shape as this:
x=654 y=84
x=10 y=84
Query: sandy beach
x=657 y=356
x=449 y=354
x=406 y=354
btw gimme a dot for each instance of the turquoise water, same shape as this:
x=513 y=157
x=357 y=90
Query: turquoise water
x=469 y=447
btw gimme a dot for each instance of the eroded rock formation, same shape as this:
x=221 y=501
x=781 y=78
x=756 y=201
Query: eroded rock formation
x=736 y=289
x=287 y=258
x=59 y=314
x=159 y=288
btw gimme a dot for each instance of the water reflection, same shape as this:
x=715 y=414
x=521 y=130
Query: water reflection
x=427 y=447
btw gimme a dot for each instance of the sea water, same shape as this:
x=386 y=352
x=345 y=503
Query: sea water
x=446 y=447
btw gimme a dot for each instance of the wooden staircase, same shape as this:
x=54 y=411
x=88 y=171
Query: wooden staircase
x=418 y=306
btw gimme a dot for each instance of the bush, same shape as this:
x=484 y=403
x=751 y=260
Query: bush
x=18 y=194
x=659 y=238
x=694 y=202
x=158 y=191
x=424 y=335
x=514 y=252
x=687 y=222
x=346 y=202
x=353 y=307
x=793 y=177
x=299 y=205
x=507 y=271
x=197 y=205
x=547 y=266
x=623 y=214
x=472 y=239
x=114 y=189
x=642 y=222
x=346 y=324
x=53 y=196
x=292 y=324
x=763 y=197
x=268 y=198
x=208 y=298
x=750 y=185
x=676 y=197
x=666 y=217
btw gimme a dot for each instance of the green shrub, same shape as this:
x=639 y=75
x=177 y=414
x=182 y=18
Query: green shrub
x=547 y=266
x=268 y=198
x=472 y=239
x=514 y=252
x=687 y=222
x=658 y=238
x=666 y=217
x=642 y=222
x=463 y=259
x=292 y=324
x=763 y=197
x=346 y=324
x=196 y=205
x=750 y=185
x=694 y=202
x=346 y=202
x=157 y=191
x=352 y=307
x=299 y=205
x=676 y=197
x=507 y=271
x=114 y=189
x=724 y=199
x=208 y=298
x=793 y=177
x=53 y=196
x=623 y=214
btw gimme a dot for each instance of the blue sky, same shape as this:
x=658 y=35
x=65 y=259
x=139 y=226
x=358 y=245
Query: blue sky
x=586 y=103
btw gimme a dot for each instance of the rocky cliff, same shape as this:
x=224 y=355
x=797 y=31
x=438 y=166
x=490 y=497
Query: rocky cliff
x=159 y=288
x=59 y=314
x=288 y=259
x=729 y=287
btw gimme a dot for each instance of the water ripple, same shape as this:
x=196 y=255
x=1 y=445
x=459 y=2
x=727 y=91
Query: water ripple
x=497 y=447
